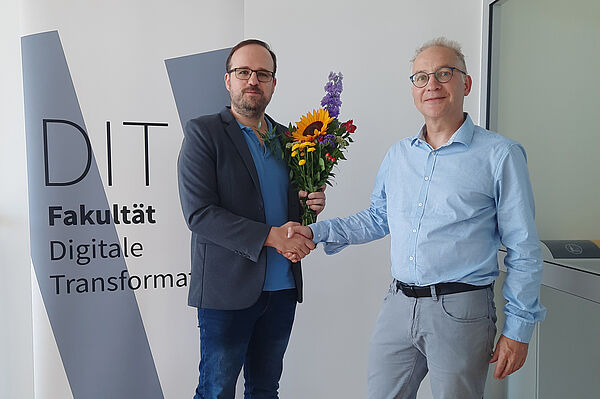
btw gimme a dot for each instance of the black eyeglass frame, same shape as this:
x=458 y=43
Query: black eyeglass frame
x=256 y=71
x=412 y=77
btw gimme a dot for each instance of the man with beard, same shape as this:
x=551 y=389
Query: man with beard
x=236 y=199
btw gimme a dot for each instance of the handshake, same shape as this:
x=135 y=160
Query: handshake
x=291 y=240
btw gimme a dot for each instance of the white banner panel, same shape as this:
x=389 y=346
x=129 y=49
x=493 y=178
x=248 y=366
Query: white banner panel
x=110 y=248
x=127 y=61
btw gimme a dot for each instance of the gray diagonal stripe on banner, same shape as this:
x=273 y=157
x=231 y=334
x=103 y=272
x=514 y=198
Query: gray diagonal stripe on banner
x=197 y=83
x=100 y=335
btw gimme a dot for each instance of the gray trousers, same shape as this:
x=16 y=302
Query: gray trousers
x=449 y=336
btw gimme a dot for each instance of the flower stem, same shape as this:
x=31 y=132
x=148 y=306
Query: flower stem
x=309 y=216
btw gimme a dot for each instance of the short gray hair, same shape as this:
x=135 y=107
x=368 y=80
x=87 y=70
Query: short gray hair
x=446 y=43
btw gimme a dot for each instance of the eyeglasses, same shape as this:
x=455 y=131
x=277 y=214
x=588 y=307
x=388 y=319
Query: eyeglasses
x=245 y=74
x=442 y=75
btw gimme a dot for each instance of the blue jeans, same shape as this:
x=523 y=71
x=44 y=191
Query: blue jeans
x=256 y=338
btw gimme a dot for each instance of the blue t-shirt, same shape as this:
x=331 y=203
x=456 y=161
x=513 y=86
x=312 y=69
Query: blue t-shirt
x=274 y=183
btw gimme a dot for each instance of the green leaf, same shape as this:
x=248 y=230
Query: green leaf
x=321 y=164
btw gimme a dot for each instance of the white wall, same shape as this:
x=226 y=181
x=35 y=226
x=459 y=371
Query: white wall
x=371 y=42
x=16 y=358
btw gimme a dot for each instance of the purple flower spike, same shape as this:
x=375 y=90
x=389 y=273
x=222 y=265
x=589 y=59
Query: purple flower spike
x=333 y=88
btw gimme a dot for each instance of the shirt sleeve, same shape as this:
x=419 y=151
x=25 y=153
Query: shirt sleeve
x=364 y=226
x=518 y=233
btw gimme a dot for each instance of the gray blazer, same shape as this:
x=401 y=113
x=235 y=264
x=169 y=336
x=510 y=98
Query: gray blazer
x=223 y=207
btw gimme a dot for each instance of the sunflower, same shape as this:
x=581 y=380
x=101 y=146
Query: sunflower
x=312 y=125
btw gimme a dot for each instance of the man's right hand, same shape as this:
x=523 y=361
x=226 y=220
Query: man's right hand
x=298 y=229
x=294 y=248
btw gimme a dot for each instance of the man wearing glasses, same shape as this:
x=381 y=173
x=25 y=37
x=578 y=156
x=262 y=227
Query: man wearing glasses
x=234 y=194
x=449 y=197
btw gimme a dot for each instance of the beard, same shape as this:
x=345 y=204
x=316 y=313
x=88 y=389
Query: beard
x=250 y=106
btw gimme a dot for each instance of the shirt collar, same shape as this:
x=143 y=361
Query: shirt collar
x=463 y=135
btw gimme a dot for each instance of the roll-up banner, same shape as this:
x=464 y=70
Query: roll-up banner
x=107 y=89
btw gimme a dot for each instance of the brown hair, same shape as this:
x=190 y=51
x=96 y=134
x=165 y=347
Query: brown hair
x=246 y=43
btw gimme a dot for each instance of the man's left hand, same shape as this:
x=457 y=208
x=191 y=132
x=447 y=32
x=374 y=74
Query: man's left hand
x=316 y=200
x=510 y=355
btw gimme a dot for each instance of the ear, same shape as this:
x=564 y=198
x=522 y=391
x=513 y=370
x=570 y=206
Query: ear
x=227 y=82
x=274 y=82
x=468 y=84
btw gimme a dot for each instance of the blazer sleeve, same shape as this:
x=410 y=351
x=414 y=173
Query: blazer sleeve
x=199 y=173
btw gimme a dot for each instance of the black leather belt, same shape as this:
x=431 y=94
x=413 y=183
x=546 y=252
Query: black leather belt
x=415 y=291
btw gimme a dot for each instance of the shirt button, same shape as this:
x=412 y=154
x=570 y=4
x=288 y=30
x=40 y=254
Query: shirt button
x=411 y=258
x=420 y=204
x=414 y=230
x=426 y=178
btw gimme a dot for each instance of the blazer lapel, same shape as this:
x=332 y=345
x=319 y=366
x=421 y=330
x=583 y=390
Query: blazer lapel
x=239 y=142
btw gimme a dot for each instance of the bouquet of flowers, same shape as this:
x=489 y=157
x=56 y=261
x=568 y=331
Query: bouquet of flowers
x=316 y=144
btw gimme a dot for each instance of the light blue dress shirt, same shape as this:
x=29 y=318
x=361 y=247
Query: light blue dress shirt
x=448 y=210
x=274 y=183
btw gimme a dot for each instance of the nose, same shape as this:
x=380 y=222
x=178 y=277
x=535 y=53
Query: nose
x=433 y=83
x=253 y=78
